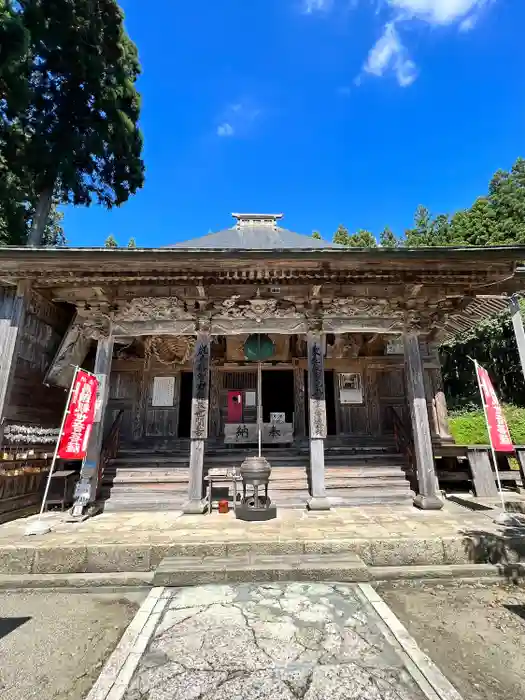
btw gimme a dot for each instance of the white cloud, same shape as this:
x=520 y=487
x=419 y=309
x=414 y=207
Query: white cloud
x=238 y=118
x=437 y=11
x=468 y=23
x=316 y=5
x=389 y=55
x=225 y=129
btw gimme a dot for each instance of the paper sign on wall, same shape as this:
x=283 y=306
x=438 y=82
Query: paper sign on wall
x=163 y=391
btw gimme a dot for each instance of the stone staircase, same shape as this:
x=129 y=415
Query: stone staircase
x=141 y=480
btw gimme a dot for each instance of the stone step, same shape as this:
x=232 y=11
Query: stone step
x=230 y=459
x=361 y=497
x=192 y=571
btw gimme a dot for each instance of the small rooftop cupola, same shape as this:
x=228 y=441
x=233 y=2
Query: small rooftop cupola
x=269 y=220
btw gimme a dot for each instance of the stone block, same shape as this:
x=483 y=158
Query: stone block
x=257 y=574
x=60 y=560
x=16 y=560
x=406 y=551
x=113 y=557
x=189 y=577
x=265 y=547
x=327 y=546
x=197 y=549
x=456 y=550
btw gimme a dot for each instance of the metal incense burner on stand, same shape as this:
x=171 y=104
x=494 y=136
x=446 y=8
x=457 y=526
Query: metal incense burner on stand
x=255 y=471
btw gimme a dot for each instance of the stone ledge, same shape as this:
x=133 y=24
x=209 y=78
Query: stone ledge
x=115 y=580
x=175 y=571
x=40 y=558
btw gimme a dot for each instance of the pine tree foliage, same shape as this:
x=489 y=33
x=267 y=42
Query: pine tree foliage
x=341 y=236
x=69 y=109
x=132 y=243
x=387 y=238
x=110 y=242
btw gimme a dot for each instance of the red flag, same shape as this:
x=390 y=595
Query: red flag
x=79 y=419
x=498 y=429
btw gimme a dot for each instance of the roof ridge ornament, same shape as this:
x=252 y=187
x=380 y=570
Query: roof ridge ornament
x=269 y=220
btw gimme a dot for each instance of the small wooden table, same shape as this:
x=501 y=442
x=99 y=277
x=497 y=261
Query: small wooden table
x=219 y=475
x=62 y=494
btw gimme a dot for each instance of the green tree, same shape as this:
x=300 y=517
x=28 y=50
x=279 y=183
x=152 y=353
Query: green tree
x=341 y=236
x=316 y=234
x=110 y=242
x=421 y=234
x=362 y=239
x=131 y=243
x=507 y=200
x=77 y=136
x=475 y=226
x=387 y=238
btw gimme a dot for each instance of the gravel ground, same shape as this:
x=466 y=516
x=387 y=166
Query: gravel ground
x=474 y=633
x=54 y=644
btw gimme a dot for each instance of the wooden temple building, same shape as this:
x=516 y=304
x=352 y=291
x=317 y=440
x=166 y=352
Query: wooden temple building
x=353 y=405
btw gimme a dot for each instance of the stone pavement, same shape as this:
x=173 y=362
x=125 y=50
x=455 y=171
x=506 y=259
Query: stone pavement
x=254 y=642
x=393 y=536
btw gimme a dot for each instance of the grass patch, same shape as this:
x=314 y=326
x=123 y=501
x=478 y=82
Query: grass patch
x=469 y=428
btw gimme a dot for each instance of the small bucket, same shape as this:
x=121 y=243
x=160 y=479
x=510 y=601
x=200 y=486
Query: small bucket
x=224 y=507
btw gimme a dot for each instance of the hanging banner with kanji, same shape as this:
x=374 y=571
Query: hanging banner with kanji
x=498 y=430
x=80 y=414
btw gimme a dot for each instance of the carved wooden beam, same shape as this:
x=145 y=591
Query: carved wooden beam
x=72 y=352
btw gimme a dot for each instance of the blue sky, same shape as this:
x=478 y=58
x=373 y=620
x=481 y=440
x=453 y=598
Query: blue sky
x=330 y=111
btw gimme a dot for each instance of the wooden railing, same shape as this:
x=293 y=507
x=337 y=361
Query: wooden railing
x=110 y=447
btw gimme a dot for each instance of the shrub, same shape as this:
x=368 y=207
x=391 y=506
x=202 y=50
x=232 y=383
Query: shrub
x=469 y=428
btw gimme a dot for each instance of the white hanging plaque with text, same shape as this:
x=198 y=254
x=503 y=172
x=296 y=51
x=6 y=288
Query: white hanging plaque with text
x=163 y=391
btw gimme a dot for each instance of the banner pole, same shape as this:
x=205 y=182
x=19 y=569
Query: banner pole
x=36 y=527
x=259 y=406
x=500 y=489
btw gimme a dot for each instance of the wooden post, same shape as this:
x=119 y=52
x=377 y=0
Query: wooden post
x=13 y=305
x=86 y=490
x=317 y=415
x=482 y=474
x=439 y=401
x=298 y=384
x=427 y=498
x=199 y=422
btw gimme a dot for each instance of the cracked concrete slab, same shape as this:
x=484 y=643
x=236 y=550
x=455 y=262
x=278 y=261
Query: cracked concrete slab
x=309 y=641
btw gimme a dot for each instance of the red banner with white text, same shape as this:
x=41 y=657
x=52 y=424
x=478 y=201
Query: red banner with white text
x=79 y=419
x=498 y=429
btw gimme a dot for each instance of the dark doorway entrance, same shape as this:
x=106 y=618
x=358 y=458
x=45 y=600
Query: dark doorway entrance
x=277 y=393
x=329 y=392
x=186 y=383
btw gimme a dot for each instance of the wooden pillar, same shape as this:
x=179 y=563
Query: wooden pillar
x=141 y=402
x=199 y=422
x=86 y=490
x=299 y=417
x=438 y=398
x=427 y=498
x=13 y=305
x=317 y=416
x=482 y=474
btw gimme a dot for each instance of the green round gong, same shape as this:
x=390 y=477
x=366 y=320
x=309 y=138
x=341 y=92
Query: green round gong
x=258 y=347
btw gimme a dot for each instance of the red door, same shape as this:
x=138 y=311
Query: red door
x=235 y=406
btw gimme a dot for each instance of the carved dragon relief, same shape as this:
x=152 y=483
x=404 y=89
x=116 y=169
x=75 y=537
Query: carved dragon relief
x=256 y=308
x=362 y=306
x=153 y=309
x=396 y=314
